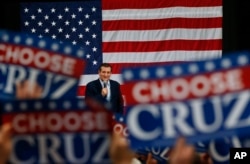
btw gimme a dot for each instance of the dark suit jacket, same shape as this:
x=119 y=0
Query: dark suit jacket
x=93 y=90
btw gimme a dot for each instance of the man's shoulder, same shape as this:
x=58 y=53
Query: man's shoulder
x=114 y=82
x=93 y=82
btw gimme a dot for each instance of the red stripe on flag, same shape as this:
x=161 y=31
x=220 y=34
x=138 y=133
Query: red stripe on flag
x=142 y=4
x=166 y=45
x=112 y=25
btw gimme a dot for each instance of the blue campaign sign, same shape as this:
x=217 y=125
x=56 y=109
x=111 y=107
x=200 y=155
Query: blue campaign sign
x=201 y=100
x=58 y=131
x=220 y=149
x=198 y=120
x=54 y=66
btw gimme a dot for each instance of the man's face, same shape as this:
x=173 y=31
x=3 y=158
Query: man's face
x=105 y=73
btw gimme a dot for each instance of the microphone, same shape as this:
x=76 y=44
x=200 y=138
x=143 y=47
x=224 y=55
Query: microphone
x=105 y=84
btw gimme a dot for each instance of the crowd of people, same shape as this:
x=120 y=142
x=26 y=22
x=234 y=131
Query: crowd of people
x=120 y=152
x=104 y=89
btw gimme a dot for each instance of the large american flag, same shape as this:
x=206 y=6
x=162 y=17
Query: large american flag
x=130 y=33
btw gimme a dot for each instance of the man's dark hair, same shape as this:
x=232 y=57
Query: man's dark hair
x=105 y=65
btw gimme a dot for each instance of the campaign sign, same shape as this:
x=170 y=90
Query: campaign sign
x=58 y=131
x=173 y=93
x=119 y=124
x=198 y=120
x=158 y=153
x=55 y=66
x=189 y=80
x=219 y=150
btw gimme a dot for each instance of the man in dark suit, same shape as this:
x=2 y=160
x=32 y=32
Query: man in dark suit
x=106 y=90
